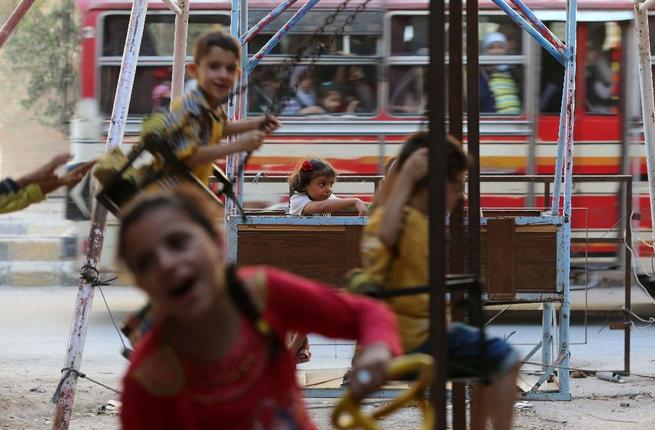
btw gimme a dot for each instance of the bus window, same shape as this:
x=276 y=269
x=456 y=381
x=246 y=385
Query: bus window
x=149 y=93
x=407 y=91
x=343 y=80
x=158 y=33
x=501 y=65
x=344 y=89
x=499 y=28
x=409 y=35
x=603 y=62
x=552 y=75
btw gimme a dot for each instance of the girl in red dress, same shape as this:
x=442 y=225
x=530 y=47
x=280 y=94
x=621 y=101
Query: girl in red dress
x=215 y=357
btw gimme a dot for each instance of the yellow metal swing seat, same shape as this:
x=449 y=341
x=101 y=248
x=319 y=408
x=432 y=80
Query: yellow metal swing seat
x=348 y=415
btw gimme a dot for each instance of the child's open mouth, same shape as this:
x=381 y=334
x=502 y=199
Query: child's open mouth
x=182 y=288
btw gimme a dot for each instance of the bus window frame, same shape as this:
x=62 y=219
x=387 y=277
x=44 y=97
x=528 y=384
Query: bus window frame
x=423 y=60
x=143 y=61
x=335 y=60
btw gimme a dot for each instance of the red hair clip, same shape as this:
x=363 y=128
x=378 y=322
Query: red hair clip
x=307 y=166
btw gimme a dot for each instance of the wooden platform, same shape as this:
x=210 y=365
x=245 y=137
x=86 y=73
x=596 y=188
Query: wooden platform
x=523 y=258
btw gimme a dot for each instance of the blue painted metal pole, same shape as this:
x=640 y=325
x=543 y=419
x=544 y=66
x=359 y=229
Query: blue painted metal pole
x=279 y=9
x=272 y=43
x=242 y=105
x=233 y=160
x=559 y=160
x=527 y=26
x=539 y=25
x=569 y=118
x=547 y=336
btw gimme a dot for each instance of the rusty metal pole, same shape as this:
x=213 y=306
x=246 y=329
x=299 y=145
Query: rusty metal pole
x=627 y=317
x=14 y=19
x=65 y=395
x=456 y=253
x=437 y=210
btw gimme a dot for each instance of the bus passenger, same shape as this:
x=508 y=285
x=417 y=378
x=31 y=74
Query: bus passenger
x=197 y=121
x=305 y=99
x=331 y=99
x=216 y=358
x=395 y=256
x=161 y=93
x=498 y=80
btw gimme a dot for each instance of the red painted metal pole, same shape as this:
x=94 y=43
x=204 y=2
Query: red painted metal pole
x=14 y=19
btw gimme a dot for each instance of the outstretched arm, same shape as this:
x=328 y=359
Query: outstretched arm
x=208 y=154
x=334 y=205
x=299 y=304
x=267 y=123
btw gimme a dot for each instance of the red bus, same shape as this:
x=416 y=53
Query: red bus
x=379 y=69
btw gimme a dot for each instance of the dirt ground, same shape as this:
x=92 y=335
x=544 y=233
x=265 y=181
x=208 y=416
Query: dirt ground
x=35 y=322
x=25 y=404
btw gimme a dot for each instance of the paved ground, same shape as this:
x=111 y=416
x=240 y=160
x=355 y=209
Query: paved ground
x=34 y=325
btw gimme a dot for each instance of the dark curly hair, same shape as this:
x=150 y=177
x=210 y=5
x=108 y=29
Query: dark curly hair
x=308 y=169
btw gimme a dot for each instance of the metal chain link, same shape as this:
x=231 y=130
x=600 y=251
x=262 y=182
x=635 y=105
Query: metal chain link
x=311 y=52
x=318 y=48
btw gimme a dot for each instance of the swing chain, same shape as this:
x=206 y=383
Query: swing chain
x=316 y=50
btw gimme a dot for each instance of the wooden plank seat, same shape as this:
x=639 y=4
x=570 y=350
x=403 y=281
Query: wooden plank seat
x=522 y=260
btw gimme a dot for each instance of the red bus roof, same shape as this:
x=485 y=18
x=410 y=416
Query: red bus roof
x=87 y=5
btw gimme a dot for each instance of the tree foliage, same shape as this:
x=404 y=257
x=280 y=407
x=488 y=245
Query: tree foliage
x=41 y=55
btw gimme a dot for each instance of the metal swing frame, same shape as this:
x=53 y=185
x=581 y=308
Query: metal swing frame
x=238 y=109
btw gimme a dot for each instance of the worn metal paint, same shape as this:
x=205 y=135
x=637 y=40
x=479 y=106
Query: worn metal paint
x=64 y=407
x=179 y=50
x=539 y=25
x=564 y=265
x=279 y=9
x=647 y=100
x=233 y=159
x=275 y=39
x=173 y=6
x=527 y=26
x=645 y=5
x=13 y=20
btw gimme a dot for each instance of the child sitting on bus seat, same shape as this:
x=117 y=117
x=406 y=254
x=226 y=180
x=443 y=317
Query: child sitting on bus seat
x=395 y=256
x=331 y=99
x=215 y=358
x=197 y=122
x=311 y=185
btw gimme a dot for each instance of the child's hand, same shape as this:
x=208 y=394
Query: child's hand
x=416 y=166
x=268 y=123
x=361 y=207
x=251 y=140
x=51 y=183
x=370 y=370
